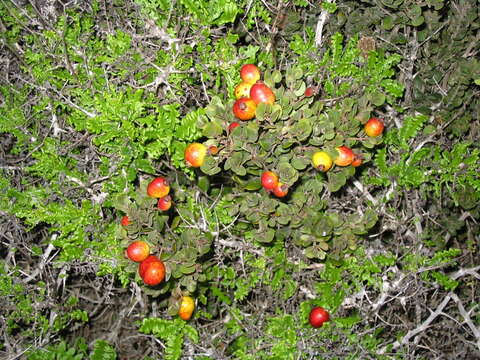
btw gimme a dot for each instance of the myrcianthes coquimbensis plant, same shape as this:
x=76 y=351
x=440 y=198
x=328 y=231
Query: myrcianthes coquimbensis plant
x=310 y=131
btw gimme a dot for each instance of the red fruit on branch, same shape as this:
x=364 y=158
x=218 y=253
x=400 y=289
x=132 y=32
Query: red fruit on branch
x=138 y=251
x=357 y=160
x=250 y=73
x=195 y=154
x=318 y=316
x=158 y=187
x=269 y=180
x=345 y=156
x=374 y=127
x=154 y=273
x=164 y=203
x=125 y=221
x=232 y=126
x=261 y=93
x=244 y=108
x=143 y=265
x=309 y=91
x=281 y=190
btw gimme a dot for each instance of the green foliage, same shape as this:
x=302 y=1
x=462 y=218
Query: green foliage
x=102 y=350
x=98 y=109
x=284 y=333
x=283 y=137
x=172 y=332
x=182 y=238
x=211 y=13
x=25 y=315
x=451 y=172
x=61 y=351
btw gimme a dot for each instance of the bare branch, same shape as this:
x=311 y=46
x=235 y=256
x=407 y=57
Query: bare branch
x=422 y=327
x=320 y=24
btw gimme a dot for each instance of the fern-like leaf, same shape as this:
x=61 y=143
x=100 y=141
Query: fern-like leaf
x=410 y=128
x=102 y=350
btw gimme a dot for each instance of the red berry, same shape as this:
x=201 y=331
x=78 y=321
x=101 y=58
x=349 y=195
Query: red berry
x=244 y=108
x=158 y=187
x=125 y=221
x=164 y=203
x=250 y=73
x=345 y=156
x=374 y=127
x=261 y=93
x=309 y=91
x=281 y=190
x=357 y=160
x=138 y=251
x=269 y=180
x=195 y=154
x=143 y=265
x=232 y=126
x=318 y=316
x=154 y=273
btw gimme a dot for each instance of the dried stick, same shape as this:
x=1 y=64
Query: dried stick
x=422 y=327
x=321 y=22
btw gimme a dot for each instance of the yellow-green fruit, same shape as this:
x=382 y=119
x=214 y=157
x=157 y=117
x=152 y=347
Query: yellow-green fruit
x=322 y=161
x=187 y=305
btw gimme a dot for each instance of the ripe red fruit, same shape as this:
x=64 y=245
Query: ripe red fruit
x=281 y=190
x=345 y=156
x=357 y=160
x=164 y=203
x=318 y=316
x=250 y=73
x=309 y=91
x=143 y=265
x=232 y=126
x=242 y=90
x=269 y=180
x=138 y=251
x=158 y=187
x=154 y=273
x=125 y=221
x=195 y=154
x=261 y=93
x=187 y=306
x=244 y=108
x=374 y=127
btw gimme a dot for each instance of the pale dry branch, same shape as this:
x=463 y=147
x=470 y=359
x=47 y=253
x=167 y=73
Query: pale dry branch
x=463 y=272
x=44 y=260
x=324 y=15
x=467 y=319
x=422 y=327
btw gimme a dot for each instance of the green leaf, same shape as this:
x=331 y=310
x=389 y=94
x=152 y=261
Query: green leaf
x=287 y=173
x=276 y=76
x=336 y=181
x=377 y=98
x=301 y=130
x=265 y=236
x=212 y=130
x=210 y=166
x=203 y=183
